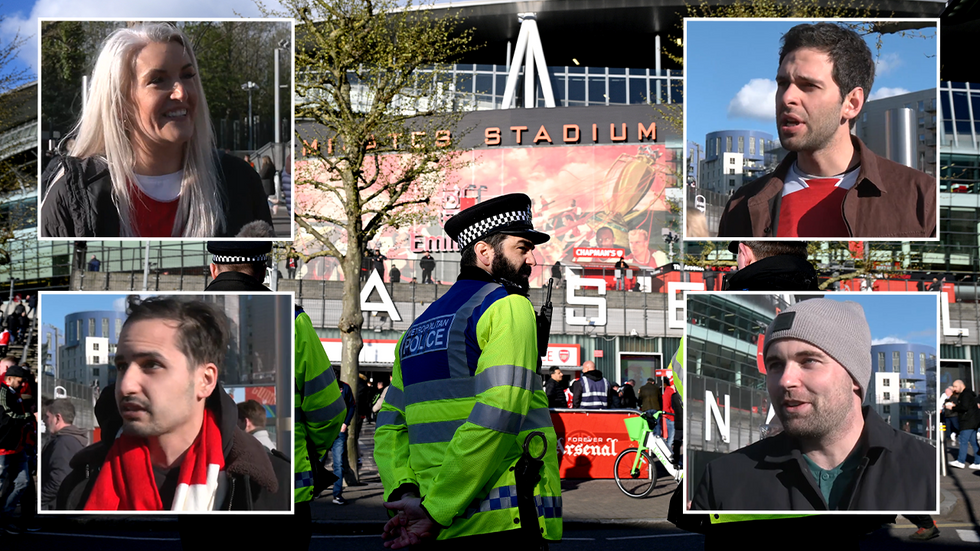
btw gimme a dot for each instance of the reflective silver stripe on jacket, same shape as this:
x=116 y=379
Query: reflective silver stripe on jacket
x=468 y=387
x=594 y=396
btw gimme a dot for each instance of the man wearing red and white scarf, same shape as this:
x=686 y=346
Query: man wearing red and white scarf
x=179 y=447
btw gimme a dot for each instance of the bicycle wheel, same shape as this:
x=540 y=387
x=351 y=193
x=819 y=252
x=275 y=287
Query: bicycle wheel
x=635 y=482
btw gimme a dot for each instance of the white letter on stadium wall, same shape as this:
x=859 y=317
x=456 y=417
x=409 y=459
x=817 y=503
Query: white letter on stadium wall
x=674 y=304
x=386 y=305
x=573 y=283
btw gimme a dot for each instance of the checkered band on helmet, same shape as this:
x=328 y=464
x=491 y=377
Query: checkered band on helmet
x=486 y=226
x=225 y=259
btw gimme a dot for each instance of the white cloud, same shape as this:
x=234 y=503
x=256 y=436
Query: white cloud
x=886 y=93
x=888 y=340
x=141 y=9
x=887 y=63
x=756 y=100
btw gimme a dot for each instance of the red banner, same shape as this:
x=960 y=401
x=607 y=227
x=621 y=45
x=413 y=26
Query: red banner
x=589 y=441
x=265 y=395
x=759 y=360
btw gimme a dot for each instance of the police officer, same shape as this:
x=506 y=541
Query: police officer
x=238 y=265
x=465 y=401
x=319 y=406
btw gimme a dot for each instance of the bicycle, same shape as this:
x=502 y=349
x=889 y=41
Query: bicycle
x=635 y=470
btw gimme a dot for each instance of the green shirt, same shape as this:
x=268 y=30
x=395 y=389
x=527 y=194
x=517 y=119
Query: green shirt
x=833 y=483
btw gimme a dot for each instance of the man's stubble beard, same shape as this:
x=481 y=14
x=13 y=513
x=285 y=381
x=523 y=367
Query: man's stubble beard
x=502 y=269
x=826 y=415
x=821 y=128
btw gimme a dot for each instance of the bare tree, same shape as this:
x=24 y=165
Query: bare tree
x=380 y=132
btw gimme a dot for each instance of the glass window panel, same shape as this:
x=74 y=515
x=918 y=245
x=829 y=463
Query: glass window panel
x=617 y=71
x=676 y=90
x=959 y=105
x=597 y=90
x=617 y=91
x=464 y=82
x=558 y=88
x=638 y=90
x=633 y=71
x=944 y=100
x=963 y=127
x=576 y=88
x=577 y=69
x=484 y=84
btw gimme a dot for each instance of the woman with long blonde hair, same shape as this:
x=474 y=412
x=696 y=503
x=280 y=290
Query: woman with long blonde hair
x=144 y=162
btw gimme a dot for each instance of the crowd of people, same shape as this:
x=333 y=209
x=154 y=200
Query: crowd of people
x=592 y=391
x=18 y=446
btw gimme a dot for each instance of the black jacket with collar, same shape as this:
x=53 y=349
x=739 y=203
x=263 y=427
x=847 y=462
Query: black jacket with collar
x=775 y=273
x=14 y=417
x=236 y=281
x=79 y=203
x=257 y=480
x=966 y=406
x=897 y=473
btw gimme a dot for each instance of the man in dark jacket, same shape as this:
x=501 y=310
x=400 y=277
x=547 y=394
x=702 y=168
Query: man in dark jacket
x=15 y=420
x=240 y=265
x=379 y=263
x=650 y=396
x=554 y=388
x=428 y=265
x=842 y=532
x=832 y=454
x=629 y=395
x=965 y=405
x=339 y=450
x=590 y=391
x=179 y=427
x=61 y=442
x=771 y=266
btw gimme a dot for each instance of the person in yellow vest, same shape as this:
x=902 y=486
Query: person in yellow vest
x=464 y=442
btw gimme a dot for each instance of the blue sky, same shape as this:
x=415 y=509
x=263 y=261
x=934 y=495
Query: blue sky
x=55 y=306
x=910 y=318
x=731 y=69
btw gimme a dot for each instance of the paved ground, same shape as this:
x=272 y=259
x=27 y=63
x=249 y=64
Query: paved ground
x=594 y=511
x=593 y=503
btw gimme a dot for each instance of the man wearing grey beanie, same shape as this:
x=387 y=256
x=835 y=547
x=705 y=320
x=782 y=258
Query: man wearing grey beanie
x=833 y=454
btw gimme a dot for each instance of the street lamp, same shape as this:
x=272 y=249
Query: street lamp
x=670 y=238
x=250 y=87
x=283 y=45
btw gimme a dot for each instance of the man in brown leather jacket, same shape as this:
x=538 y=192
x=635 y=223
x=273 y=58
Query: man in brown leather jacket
x=831 y=185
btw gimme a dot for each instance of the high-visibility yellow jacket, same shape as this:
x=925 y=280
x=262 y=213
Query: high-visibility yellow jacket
x=464 y=395
x=320 y=409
